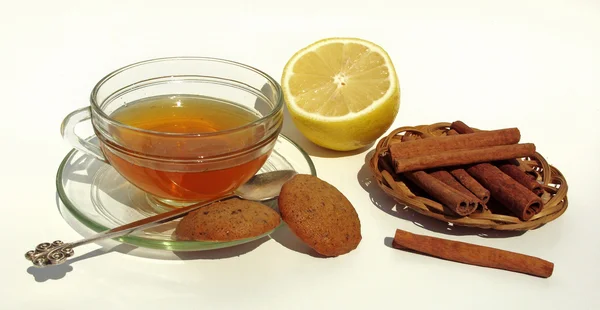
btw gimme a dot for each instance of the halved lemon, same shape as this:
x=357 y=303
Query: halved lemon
x=342 y=93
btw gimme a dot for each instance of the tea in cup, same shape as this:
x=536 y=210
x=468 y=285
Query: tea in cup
x=184 y=129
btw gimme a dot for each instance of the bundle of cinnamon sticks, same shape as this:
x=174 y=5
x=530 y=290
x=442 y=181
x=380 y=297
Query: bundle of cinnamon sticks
x=464 y=169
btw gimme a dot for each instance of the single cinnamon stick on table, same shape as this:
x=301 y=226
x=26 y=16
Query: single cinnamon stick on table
x=460 y=157
x=511 y=194
x=417 y=147
x=472 y=254
x=456 y=201
x=468 y=181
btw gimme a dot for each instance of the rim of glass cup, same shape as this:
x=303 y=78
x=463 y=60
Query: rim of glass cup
x=278 y=106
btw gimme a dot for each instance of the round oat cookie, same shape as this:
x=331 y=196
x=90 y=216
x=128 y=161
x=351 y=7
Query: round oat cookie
x=227 y=220
x=320 y=215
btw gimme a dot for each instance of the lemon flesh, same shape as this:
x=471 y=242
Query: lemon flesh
x=342 y=93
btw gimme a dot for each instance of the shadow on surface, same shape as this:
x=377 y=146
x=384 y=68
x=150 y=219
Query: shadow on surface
x=290 y=130
x=386 y=204
x=222 y=253
x=387 y=241
x=284 y=236
x=81 y=169
x=59 y=271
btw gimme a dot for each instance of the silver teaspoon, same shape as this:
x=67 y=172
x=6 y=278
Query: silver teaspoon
x=261 y=187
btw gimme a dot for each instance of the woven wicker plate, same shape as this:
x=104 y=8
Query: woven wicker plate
x=552 y=180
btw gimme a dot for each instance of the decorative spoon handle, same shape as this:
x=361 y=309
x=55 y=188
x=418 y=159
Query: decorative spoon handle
x=57 y=252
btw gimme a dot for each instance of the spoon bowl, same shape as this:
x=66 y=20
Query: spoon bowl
x=264 y=186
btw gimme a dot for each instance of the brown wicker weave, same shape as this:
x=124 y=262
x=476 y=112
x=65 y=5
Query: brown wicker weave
x=554 y=184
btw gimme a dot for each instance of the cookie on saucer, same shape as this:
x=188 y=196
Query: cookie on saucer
x=228 y=220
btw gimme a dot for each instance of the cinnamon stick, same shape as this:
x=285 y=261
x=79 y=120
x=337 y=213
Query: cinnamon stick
x=460 y=157
x=456 y=201
x=468 y=181
x=449 y=180
x=472 y=254
x=471 y=184
x=461 y=127
x=517 y=198
x=409 y=137
x=511 y=194
x=417 y=147
x=520 y=176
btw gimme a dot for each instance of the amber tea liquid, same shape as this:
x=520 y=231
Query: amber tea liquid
x=182 y=114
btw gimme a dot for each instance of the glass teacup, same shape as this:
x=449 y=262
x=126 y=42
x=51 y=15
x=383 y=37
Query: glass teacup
x=183 y=129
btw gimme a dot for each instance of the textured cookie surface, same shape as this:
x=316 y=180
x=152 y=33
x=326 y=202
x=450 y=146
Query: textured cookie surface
x=227 y=220
x=320 y=215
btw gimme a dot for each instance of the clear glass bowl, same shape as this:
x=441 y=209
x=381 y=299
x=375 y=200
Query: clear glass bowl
x=100 y=198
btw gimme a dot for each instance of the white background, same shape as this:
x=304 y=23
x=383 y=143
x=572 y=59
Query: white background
x=530 y=64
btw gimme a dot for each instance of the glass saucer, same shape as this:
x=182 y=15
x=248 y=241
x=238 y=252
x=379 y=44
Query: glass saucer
x=101 y=199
